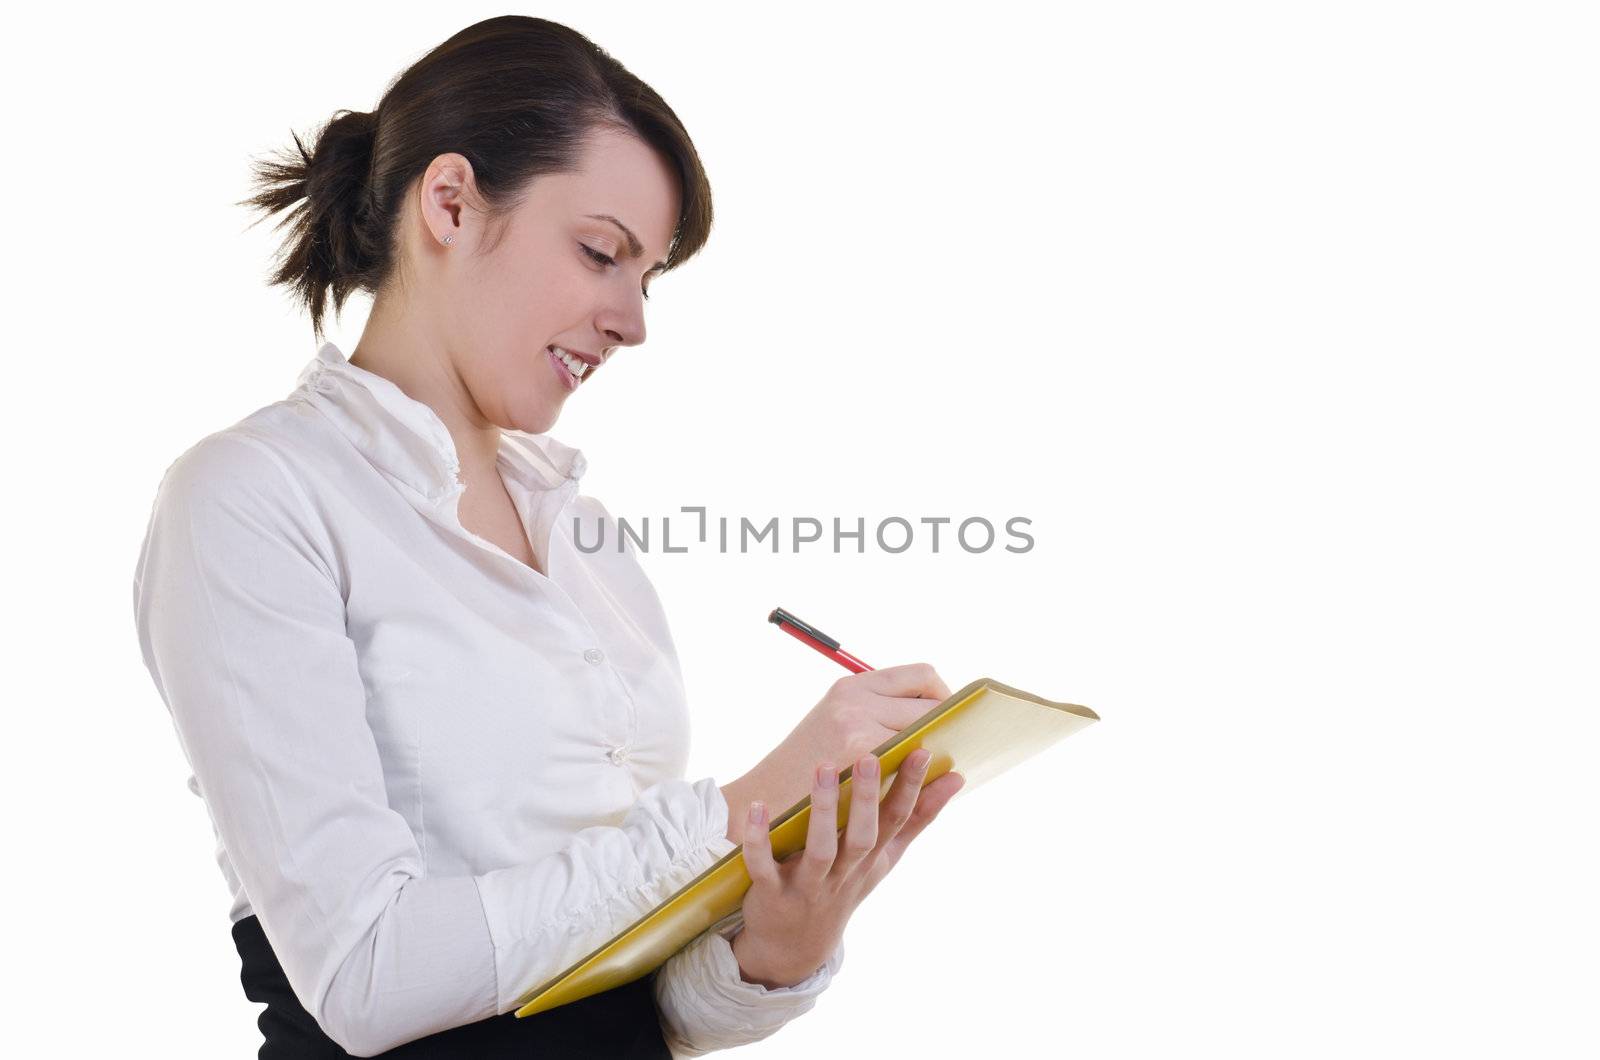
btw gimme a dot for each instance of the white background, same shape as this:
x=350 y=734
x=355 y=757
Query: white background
x=1278 y=320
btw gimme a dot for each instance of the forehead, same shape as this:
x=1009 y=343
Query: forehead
x=618 y=175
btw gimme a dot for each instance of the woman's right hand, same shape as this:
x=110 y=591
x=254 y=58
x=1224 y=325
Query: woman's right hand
x=859 y=712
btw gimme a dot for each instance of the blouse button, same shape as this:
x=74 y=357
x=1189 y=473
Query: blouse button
x=593 y=655
x=618 y=755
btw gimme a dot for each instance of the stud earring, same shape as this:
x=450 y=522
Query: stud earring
x=448 y=240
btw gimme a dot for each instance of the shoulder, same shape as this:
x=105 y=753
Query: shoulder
x=250 y=477
x=236 y=464
x=239 y=492
x=268 y=455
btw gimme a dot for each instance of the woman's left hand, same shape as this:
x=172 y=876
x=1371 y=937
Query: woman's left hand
x=795 y=910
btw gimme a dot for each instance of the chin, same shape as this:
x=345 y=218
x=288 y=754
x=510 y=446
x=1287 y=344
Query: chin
x=541 y=421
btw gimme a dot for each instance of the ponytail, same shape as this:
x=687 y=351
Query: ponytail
x=328 y=246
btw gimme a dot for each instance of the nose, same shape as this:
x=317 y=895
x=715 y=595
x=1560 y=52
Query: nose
x=622 y=325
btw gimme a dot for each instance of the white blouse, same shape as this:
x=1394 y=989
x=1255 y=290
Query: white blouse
x=437 y=776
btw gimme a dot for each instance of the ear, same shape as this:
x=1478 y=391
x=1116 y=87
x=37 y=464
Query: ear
x=445 y=191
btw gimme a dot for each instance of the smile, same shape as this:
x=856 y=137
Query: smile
x=571 y=370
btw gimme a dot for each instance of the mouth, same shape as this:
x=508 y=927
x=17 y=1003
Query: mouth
x=571 y=368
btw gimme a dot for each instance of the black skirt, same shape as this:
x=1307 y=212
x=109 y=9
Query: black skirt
x=622 y=1022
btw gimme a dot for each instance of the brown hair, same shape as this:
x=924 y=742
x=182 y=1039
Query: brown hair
x=517 y=96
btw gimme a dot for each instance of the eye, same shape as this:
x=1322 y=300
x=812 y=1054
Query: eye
x=595 y=255
x=605 y=259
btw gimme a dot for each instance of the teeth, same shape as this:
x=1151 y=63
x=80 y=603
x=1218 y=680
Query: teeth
x=574 y=365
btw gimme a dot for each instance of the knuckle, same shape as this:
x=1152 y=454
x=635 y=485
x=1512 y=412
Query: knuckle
x=816 y=855
x=845 y=712
x=858 y=848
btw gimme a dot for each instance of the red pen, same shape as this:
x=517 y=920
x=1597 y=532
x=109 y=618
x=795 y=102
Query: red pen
x=817 y=639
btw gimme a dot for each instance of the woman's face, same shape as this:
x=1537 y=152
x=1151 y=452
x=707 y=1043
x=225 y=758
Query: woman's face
x=566 y=274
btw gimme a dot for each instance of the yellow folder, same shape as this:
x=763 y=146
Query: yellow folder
x=980 y=732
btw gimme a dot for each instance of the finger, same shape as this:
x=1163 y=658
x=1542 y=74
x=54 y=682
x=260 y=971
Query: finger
x=909 y=680
x=933 y=798
x=930 y=801
x=822 y=831
x=758 y=847
x=861 y=831
x=903 y=796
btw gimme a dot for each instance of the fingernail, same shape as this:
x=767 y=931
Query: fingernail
x=758 y=810
x=827 y=776
x=920 y=758
x=868 y=767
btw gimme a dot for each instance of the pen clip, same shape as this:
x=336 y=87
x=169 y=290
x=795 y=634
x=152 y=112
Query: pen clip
x=781 y=617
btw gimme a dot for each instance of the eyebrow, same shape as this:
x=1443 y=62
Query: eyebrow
x=635 y=248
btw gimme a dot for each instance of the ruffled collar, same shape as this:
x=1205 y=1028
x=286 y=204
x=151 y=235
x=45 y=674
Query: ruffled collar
x=407 y=441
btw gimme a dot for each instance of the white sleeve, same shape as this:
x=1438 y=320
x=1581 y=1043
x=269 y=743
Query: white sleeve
x=241 y=624
x=705 y=1004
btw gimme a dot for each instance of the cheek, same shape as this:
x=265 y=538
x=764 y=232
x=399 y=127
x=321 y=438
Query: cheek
x=533 y=307
x=512 y=330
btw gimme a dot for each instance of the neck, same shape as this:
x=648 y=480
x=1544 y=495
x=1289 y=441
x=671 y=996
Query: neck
x=406 y=351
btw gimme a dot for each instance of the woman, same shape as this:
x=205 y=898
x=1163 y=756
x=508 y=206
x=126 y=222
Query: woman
x=441 y=747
